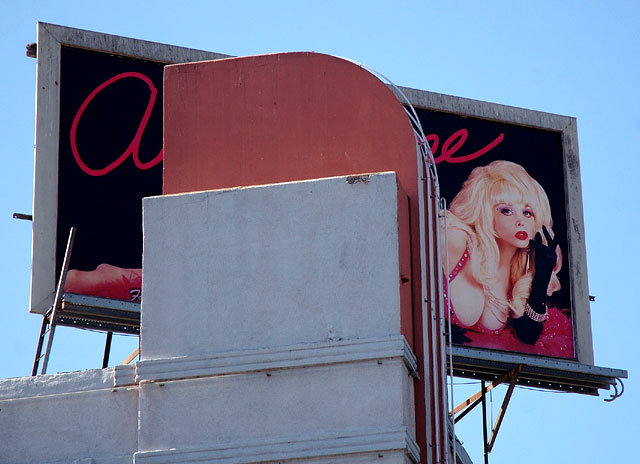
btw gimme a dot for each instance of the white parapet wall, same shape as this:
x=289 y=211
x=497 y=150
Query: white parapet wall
x=271 y=325
x=80 y=417
x=270 y=332
x=271 y=265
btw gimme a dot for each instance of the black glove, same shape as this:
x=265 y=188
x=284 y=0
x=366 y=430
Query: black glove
x=545 y=258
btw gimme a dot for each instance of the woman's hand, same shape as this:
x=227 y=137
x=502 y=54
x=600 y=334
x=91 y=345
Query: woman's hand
x=529 y=326
x=545 y=259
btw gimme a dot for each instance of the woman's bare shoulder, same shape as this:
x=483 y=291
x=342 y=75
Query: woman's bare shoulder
x=456 y=246
x=456 y=240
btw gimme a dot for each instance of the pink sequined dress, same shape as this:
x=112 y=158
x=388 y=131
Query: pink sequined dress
x=556 y=338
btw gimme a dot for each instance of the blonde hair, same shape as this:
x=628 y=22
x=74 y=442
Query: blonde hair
x=472 y=211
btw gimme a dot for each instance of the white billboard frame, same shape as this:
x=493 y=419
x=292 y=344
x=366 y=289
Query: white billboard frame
x=51 y=38
x=576 y=256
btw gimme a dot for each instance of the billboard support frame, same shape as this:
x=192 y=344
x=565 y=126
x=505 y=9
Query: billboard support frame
x=51 y=317
x=546 y=373
x=479 y=398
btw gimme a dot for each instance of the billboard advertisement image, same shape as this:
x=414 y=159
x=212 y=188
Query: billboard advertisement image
x=513 y=271
x=98 y=153
x=110 y=155
x=514 y=255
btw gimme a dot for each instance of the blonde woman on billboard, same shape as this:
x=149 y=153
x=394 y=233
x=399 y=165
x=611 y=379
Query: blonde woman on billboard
x=503 y=263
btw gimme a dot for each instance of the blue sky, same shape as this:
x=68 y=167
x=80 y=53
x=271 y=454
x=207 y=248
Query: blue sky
x=575 y=58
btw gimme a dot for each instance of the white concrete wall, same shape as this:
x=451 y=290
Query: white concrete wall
x=79 y=417
x=270 y=332
x=270 y=266
x=280 y=414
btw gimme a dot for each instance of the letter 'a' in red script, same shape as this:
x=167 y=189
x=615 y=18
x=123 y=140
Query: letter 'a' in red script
x=134 y=147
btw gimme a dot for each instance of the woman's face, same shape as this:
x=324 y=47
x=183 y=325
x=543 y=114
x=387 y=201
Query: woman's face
x=514 y=223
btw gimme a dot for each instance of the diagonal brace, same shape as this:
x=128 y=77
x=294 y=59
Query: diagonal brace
x=473 y=401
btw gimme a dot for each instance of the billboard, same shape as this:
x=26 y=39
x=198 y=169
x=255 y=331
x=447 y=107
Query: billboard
x=98 y=153
x=513 y=241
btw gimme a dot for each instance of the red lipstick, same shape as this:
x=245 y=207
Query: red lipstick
x=522 y=235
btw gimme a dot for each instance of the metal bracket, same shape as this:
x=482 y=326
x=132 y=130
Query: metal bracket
x=618 y=393
x=24 y=217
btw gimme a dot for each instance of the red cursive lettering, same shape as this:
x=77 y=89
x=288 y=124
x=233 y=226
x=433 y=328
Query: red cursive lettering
x=453 y=143
x=134 y=147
